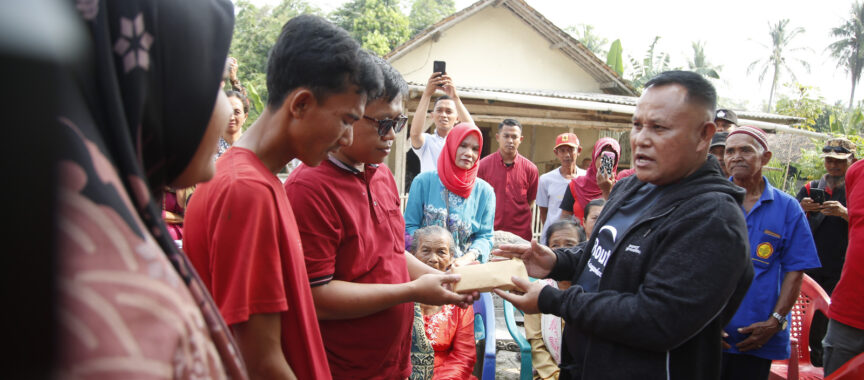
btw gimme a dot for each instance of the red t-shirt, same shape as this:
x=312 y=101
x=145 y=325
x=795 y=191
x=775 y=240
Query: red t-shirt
x=847 y=300
x=353 y=230
x=241 y=236
x=515 y=188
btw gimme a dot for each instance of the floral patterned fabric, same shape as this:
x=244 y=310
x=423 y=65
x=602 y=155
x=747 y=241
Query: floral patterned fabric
x=451 y=334
x=130 y=305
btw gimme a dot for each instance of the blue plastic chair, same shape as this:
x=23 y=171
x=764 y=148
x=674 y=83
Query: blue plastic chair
x=526 y=370
x=484 y=328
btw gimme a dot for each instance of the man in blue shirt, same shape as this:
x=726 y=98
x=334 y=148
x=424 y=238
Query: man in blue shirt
x=781 y=248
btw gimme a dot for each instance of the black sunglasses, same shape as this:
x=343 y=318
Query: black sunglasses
x=838 y=149
x=384 y=125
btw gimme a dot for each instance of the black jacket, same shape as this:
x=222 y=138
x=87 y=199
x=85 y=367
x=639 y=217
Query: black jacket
x=674 y=280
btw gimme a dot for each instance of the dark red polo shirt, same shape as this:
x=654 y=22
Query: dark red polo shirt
x=352 y=230
x=515 y=188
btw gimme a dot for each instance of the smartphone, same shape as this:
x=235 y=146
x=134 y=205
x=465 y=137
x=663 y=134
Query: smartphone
x=607 y=163
x=439 y=67
x=817 y=195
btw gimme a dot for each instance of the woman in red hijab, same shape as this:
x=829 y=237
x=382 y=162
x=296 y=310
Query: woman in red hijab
x=454 y=198
x=586 y=188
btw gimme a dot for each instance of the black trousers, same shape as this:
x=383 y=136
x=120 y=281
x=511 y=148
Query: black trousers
x=744 y=367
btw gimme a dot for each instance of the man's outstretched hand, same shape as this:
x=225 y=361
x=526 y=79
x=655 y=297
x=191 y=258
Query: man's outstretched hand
x=539 y=259
x=527 y=302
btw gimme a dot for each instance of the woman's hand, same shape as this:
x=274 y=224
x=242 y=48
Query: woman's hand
x=605 y=183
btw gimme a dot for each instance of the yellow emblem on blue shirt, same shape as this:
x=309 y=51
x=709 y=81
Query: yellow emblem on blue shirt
x=764 y=250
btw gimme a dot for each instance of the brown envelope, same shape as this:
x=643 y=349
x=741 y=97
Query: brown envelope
x=485 y=277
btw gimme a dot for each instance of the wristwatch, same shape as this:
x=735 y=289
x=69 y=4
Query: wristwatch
x=781 y=320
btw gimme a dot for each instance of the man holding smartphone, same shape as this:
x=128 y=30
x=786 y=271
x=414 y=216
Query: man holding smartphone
x=824 y=201
x=446 y=112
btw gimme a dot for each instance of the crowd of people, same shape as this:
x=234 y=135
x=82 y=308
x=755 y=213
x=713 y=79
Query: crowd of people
x=686 y=266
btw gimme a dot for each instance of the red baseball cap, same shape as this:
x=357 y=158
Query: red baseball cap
x=567 y=139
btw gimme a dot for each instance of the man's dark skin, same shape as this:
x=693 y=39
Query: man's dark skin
x=744 y=160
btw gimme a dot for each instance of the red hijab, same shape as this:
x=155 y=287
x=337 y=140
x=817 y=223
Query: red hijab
x=584 y=188
x=459 y=181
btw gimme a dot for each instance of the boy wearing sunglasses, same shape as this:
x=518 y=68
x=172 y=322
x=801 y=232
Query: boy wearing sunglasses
x=352 y=232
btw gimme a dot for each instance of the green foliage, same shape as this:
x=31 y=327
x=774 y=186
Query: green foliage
x=255 y=31
x=802 y=104
x=652 y=64
x=427 y=12
x=615 y=58
x=379 y=25
x=848 y=49
x=700 y=65
x=818 y=115
x=779 y=54
x=586 y=35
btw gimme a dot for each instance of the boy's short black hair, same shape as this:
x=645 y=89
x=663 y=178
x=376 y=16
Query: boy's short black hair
x=311 y=52
x=394 y=84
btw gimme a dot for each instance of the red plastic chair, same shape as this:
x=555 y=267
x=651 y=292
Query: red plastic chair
x=811 y=299
x=852 y=370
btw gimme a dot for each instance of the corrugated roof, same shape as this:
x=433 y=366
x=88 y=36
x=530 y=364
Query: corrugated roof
x=617 y=99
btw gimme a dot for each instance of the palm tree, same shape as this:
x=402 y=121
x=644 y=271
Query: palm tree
x=781 y=38
x=848 y=49
x=652 y=64
x=586 y=35
x=700 y=65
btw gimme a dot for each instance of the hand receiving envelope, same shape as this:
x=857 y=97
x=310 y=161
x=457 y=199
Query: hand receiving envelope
x=485 y=277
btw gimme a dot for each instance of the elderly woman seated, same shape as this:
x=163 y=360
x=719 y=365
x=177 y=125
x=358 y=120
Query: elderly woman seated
x=447 y=330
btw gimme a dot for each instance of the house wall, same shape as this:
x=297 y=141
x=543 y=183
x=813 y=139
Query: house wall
x=494 y=48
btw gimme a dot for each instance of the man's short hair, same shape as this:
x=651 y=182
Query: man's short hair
x=311 y=52
x=394 y=84
x=432 y=230
x=510 y=123
x=699 y=89
x=442 y=97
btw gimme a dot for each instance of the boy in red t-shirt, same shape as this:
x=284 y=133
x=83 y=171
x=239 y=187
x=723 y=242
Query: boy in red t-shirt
x=240 y=232
x=353 y=240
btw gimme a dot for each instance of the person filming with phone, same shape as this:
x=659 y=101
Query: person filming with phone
x=596 y=183
x=446 y=112
x=824 y=201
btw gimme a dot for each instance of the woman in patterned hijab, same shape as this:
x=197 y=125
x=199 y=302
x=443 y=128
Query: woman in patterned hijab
x=143 y=112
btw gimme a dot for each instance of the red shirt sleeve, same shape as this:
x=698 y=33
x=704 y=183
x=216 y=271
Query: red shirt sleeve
x=320 y=227
x=533 y=178
x=463 y=353
x=246 y=265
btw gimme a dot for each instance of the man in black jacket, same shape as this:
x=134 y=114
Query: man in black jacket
x=667 y=263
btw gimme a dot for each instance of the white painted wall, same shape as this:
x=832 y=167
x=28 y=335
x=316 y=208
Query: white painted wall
x=495 y=48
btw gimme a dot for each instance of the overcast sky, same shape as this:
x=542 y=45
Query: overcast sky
x=731 y=29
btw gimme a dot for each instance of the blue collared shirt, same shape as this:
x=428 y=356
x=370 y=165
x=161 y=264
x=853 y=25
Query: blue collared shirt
x=780 y=242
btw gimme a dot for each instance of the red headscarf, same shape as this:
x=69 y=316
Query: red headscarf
x=584 y=188
x=458 y=180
